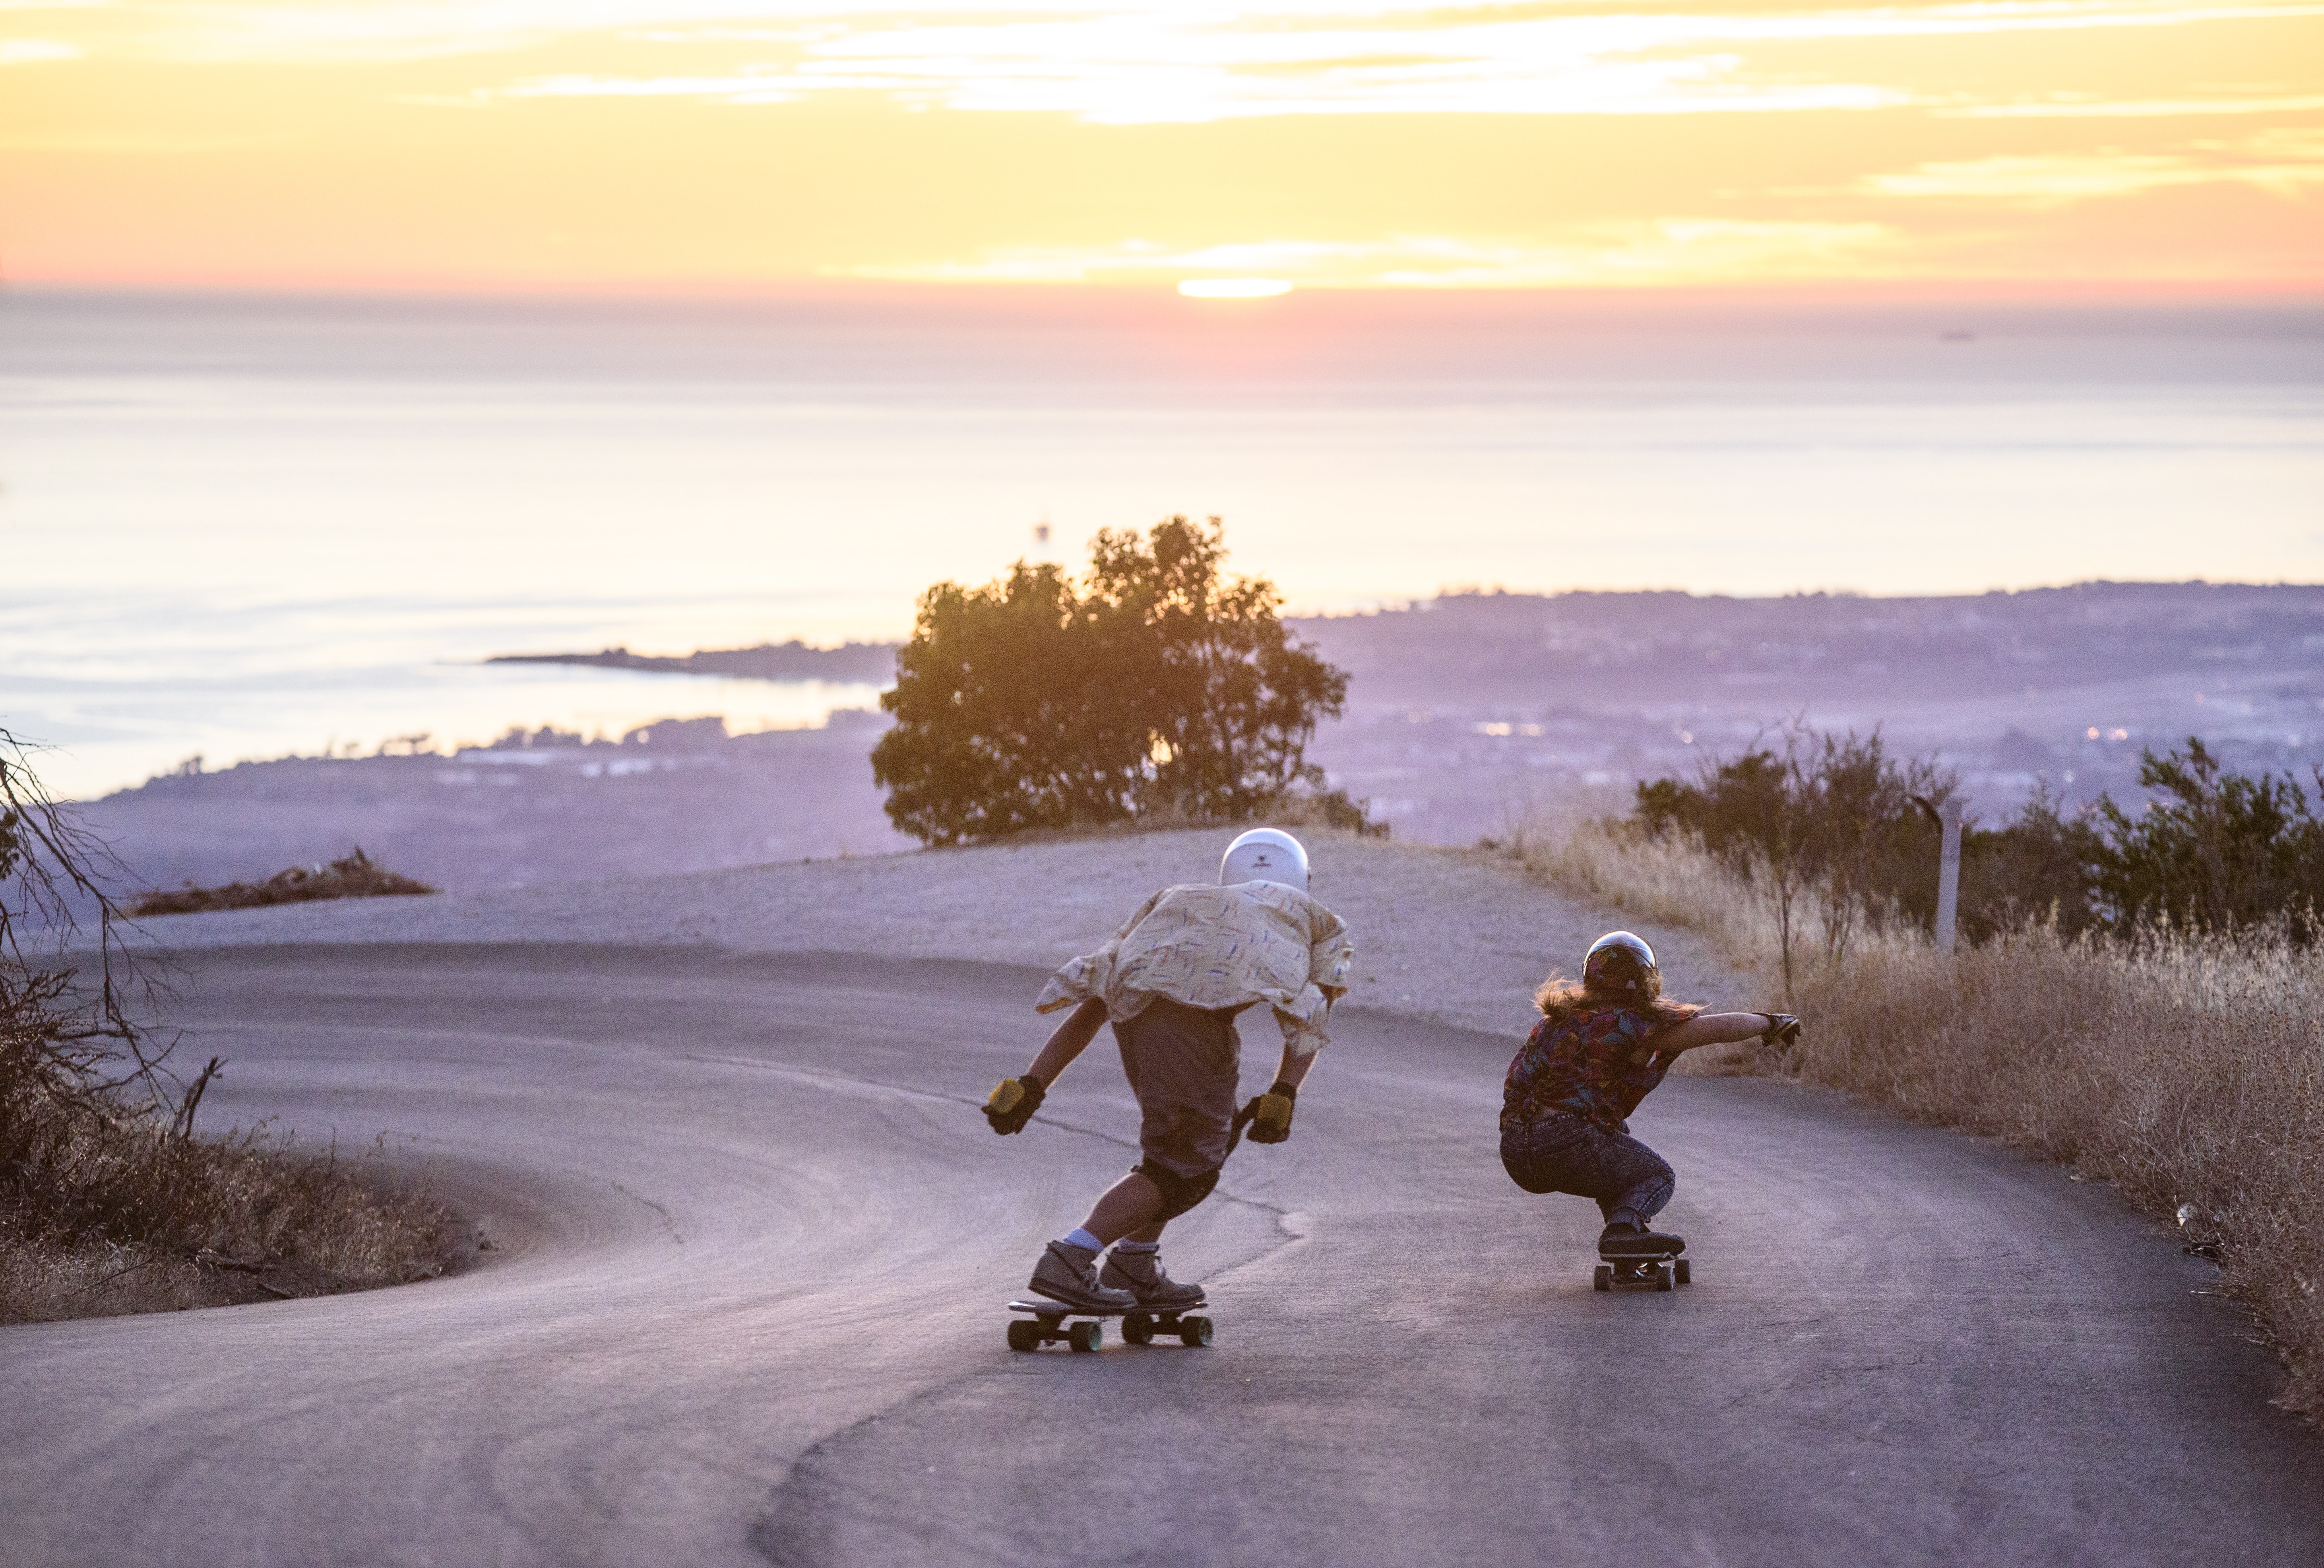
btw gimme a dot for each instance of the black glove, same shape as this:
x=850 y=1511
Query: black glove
x=1011 y=1106
x=1270 y=1115
x=1782 y=1029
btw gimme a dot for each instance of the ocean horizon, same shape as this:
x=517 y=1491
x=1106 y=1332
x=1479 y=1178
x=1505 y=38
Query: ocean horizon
x=244 y=525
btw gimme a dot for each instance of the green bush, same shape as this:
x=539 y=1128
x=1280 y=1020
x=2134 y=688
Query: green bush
x=2212 y=851
x=1829 y=815
x=2037 y=870
x=1155 y=687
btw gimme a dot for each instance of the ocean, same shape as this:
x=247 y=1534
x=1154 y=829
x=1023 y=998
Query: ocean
x=237 y=527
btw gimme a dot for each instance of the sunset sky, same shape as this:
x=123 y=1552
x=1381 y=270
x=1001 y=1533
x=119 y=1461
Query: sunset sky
x=719 y=145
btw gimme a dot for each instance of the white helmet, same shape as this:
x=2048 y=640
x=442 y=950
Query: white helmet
x=1265 y=855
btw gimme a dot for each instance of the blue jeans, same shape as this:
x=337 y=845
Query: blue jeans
x=1566 y=1154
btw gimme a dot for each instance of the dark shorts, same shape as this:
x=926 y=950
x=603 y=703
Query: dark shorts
x=1183 y=1065
x=1566 y=1154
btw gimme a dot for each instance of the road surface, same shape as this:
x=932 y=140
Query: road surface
x=752 y=1241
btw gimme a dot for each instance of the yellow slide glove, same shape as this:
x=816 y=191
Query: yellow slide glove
x=1010 y=1106
x=1271 y=1113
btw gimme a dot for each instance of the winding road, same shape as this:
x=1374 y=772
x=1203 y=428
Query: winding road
x=751 y=1241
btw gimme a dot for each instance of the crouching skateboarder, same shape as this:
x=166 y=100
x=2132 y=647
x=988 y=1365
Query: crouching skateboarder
x=1172 y=981
x=1600 y=1048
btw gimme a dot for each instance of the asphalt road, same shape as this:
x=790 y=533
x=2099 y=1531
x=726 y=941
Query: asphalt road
x=752 y=1240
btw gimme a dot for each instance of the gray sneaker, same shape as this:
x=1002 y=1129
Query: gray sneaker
x=1141 y=1275
x=1069 y=1274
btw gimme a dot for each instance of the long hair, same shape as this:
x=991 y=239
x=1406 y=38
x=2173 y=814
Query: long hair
x=1622 y=981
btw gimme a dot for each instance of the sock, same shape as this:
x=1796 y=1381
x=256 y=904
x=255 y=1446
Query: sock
x=1077 y=1237
x=1147 y=1249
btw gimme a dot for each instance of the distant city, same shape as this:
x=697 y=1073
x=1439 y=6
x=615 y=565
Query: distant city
x=1465 y=712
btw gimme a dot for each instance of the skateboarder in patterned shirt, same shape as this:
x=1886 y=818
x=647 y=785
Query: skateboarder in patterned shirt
x=1600 y=1048
x=1172 y=981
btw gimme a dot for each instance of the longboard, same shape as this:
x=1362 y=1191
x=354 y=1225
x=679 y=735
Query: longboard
x=1045 y=1323
x=1667 y=1272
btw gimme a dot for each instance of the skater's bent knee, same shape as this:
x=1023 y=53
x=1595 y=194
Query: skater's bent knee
x=1179 y=1193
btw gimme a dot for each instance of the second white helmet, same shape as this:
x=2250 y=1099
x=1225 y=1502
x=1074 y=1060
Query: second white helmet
x=1265 y=855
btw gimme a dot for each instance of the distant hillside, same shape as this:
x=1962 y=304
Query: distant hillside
x=1465 y=708
x=1590 y=647
x=1663 y=646
x=873 y=663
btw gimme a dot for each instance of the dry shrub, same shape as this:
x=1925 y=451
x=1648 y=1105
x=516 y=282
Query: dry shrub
x=353 y=876
x=2187 y=1070
x=106 y=1209
x=109 y=1202
x=110 y=1211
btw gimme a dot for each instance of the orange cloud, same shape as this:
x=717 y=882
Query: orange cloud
x=1326 y=142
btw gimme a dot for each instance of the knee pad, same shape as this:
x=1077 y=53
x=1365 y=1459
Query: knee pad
x=1179 y=1193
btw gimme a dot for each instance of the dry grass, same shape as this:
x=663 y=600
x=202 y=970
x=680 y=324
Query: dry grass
x=108 y=1204
x=2187 y=1071
x=106 y=1209
x=1662 y=881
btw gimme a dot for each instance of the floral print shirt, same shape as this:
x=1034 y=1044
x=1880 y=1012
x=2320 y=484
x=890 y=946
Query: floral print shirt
x=1594 y=1064
x=1214 y=948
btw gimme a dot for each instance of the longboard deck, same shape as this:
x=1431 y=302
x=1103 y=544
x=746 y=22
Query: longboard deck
x=1047 y=1308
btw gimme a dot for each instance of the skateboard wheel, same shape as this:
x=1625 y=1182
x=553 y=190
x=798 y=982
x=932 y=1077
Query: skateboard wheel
x=1664 y=1277
x=1681 y=1269
x=1086 y=1336
x=1193 y=1331
x=1137 y=1329
x=1603 y=1278
x=1024 y=1335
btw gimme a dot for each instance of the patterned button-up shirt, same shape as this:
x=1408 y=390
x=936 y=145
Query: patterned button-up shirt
x=1212 y=947
x=1593 y=1065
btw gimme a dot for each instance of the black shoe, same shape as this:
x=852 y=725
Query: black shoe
x=1629 y=1241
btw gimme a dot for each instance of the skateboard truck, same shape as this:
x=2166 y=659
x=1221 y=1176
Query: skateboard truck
x=1044 y=1324
x=1648 y=1273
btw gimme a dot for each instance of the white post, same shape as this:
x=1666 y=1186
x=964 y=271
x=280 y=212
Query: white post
x=1949 y=874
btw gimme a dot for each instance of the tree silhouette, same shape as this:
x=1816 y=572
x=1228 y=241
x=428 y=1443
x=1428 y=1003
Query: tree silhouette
x=1155 y=685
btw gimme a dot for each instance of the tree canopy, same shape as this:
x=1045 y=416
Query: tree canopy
x=2215 y=850
x=1154 y=684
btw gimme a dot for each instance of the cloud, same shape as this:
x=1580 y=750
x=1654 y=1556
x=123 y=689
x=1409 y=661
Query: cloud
x=2095 y=108
x=1133 y=63
x=1660 y=253
x=340 y=28
x=35 y=51
x=101 y=142
x=1147 y=65
x=1156 y=93
x=2282 y=164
